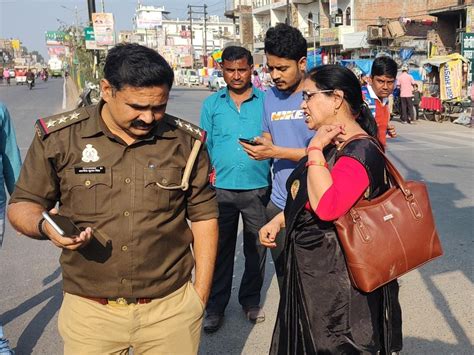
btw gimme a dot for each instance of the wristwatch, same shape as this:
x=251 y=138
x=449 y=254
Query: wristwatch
x=43 y=234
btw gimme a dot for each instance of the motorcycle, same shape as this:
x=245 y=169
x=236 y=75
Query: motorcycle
x=31 y=83
x=90 y=95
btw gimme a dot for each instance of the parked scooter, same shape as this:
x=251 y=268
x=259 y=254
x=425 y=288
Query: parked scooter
x=90 y=95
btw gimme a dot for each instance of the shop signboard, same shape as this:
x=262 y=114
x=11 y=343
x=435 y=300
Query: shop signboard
x=470 y=19
x=149 y=19
x=89 y=38
x=467 y=51
x=55 y=38
x=329 y=36
x=16 y=44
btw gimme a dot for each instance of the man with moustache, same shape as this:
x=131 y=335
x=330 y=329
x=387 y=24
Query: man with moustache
x=130 y=177
x=241 y=183
x=285 y=134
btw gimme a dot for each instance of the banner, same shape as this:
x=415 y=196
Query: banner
x=149 y=19
x=451 y=79
x=58 y=51
x=332 y=7
x=103 y=28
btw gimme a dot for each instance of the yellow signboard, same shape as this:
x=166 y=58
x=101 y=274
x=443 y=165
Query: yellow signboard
x=451 y=79
x=16 y=44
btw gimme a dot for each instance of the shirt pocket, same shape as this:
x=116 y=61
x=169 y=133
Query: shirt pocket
x=157 y=198
x=91 y=194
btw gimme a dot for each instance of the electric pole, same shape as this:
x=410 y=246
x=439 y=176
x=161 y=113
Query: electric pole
x=204 y=12
x=205 y=37
x=288 y=12
x=91 y=8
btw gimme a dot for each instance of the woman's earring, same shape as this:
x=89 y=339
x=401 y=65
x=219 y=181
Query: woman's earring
x=335 y=112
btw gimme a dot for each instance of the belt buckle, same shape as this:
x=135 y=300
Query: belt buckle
x=122 y=301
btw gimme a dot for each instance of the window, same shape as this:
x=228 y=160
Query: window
x=348 y=16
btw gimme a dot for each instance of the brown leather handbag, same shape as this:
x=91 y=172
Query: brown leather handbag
x=386 y=237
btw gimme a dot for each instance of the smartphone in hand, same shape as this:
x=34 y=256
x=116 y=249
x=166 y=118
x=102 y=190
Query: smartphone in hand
x=250 y=141
x=63 y=225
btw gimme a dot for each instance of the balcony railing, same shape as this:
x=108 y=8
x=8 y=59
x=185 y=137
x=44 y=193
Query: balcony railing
x=260 y=3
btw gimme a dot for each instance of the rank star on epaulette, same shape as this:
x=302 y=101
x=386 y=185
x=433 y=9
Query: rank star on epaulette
x=74 y=115
x=50 y=123
x=55 y=123
x=186 y=126
x=62 y=119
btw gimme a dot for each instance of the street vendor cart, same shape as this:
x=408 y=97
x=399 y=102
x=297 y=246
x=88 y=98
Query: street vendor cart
x=445 y=87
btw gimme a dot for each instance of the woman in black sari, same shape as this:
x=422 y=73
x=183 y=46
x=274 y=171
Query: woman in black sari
x=320 y=312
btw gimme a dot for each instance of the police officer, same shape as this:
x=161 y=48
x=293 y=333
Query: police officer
x=129 y=176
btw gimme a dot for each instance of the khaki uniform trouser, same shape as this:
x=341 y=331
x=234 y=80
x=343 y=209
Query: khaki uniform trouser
x=168 y=325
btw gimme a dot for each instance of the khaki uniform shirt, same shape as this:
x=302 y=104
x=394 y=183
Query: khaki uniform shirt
x=141 y=244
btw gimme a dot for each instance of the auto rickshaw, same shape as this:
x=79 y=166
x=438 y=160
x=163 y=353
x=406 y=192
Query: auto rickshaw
x=20 y=74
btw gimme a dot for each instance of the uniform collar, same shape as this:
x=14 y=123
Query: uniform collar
x=95 y=125
x=374 y=96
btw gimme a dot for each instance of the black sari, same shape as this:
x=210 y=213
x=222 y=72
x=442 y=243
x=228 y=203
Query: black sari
x=320 y=312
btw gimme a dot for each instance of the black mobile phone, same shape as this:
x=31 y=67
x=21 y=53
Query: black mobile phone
x=250 y=141
x=63 y=225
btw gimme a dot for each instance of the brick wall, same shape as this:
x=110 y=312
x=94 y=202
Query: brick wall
x=367 y=12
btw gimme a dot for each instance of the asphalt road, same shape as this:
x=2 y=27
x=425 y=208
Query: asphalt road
x=437 y=299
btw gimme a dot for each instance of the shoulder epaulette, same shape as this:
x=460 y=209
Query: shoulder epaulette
x=48 y=125
x=195 y=131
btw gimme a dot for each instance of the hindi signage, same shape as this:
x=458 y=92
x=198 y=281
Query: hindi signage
x=329 y=36
x=467 y=51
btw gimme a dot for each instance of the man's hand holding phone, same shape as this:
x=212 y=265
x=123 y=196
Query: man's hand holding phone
x=64 y=233
x=261 y=148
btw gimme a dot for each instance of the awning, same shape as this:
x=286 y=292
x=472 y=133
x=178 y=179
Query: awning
x=438 y=60
x=355 y=40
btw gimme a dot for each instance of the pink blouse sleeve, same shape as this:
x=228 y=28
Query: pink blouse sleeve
x=350 y=180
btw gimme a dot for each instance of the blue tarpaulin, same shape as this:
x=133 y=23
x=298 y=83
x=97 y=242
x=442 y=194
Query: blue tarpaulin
x=365 y=65
x=313 y=60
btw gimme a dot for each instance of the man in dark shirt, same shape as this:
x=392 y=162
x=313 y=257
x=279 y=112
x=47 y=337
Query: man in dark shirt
x=130 y=176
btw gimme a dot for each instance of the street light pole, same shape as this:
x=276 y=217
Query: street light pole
x=315 y=27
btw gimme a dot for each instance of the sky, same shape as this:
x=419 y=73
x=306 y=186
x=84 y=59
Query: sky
x=28 y=20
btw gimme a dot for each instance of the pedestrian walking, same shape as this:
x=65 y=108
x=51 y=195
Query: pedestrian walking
x=285 y=135
x=376 y=95
x=416 y=101
x=242 y=185
x=256 y=81
x=10 y=164
x=406 y=84
x=319 y=311
x=130 y=177
x=6 y=75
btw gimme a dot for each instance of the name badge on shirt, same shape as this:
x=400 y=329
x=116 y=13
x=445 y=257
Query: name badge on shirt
x=90 y=170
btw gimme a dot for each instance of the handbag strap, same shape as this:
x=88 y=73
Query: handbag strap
x=397 y=178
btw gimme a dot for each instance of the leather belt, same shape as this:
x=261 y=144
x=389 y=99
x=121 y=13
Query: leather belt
x=123 y=301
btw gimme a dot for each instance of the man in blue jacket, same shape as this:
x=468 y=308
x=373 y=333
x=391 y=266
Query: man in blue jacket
x=10 y=164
